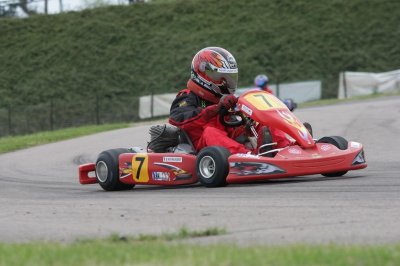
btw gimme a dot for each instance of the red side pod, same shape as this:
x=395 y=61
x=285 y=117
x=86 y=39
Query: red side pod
x=84 y=171
x=167 y=169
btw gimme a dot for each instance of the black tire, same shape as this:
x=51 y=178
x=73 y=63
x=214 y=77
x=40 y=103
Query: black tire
x=107 y=170
x=342 y=144
x=212 y=166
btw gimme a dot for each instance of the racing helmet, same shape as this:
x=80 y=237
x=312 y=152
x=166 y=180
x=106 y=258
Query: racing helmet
x=261 y=80
x=214 y=73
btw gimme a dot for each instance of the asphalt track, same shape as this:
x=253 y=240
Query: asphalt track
x=41 y=199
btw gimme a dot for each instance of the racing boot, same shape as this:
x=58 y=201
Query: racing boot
x=264 y=138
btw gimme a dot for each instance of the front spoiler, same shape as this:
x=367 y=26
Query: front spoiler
x=84 y=174
x=294 y=161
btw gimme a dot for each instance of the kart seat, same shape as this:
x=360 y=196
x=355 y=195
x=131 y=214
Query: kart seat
x=185 y=144
x=168 y=138
x=184 y=138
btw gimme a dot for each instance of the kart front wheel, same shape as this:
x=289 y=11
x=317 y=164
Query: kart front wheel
x=212 y=166
x=342 y=144
x=107 y=170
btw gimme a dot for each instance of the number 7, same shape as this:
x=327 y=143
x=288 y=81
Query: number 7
x=141 y=160
x=265 y=99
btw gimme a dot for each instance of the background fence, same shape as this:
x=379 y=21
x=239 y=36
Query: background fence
x=159 y=104
x=59 y=113
x=364 y=83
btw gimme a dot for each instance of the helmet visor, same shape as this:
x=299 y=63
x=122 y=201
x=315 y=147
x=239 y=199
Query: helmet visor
x=224 y=78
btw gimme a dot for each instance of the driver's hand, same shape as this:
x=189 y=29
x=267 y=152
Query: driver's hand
x=228 y=101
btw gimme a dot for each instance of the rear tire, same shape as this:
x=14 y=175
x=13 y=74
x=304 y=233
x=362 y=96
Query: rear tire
x=107 y=170
x=342 y=144
x=212 y=166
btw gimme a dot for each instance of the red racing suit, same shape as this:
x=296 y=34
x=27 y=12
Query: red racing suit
x=190 y=113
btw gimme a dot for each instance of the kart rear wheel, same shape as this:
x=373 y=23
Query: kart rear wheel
x=342 y=144
x=107 y=170
x=212 y=166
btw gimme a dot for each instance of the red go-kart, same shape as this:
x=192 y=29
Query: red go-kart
x=172 y=159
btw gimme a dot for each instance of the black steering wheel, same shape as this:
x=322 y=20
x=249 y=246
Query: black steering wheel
x=235 y=118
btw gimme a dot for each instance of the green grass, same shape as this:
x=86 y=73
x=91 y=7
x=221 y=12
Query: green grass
x=8 y=144
x=162 y=252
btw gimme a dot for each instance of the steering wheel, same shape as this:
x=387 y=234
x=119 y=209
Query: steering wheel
x=238 y=118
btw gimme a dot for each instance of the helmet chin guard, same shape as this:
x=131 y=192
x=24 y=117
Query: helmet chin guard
x=202 y=93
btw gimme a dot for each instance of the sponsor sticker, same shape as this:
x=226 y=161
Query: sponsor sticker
x=294 y=151
x=183 y=103
x=172 y=159
x=227 y=70
x=247 y=110
x=254 y=168
x=355 y=145
x=247 y=155
x=160 y=176
x=325 y=147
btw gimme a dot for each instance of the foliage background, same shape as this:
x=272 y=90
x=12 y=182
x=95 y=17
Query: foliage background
x=118 y=53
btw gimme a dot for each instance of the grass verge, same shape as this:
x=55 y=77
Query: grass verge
x=13 y=143
x=167 y=249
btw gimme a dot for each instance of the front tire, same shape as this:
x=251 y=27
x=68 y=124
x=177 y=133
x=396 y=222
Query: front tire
x=342 y=144
x=212 y=166
x=107 y=170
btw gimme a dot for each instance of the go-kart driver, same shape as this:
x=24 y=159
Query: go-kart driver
x=261 y=81
x=214 y=77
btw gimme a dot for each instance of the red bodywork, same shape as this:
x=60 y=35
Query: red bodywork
x=294 y=161
x=304 y=158
x=149 y=169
